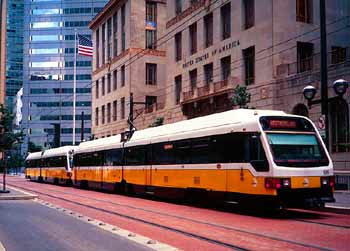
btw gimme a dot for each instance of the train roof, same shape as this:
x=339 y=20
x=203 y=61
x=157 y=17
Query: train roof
x=99 y=144
x=60 y=151
x=32 y=156
x=217 y=123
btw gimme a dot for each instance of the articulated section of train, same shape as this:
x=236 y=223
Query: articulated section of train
x=239 y=156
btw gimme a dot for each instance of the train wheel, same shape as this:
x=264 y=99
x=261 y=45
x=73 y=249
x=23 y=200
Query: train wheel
x=40 y=179
x=69 y=182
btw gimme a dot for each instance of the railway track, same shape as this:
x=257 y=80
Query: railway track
x=176 y=230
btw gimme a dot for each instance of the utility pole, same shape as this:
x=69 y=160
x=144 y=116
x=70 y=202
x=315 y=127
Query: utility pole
x=324 y=70
x=82 y=127
x=131 y=113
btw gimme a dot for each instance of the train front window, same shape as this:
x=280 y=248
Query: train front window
x=297 y=150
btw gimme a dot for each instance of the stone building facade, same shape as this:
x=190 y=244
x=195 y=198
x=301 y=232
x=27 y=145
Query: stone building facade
x=127 y=60
x=271 y=47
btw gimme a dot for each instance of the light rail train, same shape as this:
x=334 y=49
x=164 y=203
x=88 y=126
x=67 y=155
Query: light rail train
x=238 y=156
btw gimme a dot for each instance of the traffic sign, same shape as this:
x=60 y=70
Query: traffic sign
x=322 y=122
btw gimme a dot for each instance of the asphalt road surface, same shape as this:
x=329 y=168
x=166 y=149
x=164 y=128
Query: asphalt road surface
x=27 y=225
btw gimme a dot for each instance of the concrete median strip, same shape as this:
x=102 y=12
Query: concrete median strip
x=145 y=241
x=17 y=194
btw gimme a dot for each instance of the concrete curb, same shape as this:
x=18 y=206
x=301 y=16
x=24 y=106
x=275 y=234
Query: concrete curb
x=21 y=196
x=142 y=240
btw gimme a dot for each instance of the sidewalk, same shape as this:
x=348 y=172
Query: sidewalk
x=16 y=194
x=342 y=200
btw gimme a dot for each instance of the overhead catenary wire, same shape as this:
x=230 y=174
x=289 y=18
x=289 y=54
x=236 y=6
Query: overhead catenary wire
x=91 y=84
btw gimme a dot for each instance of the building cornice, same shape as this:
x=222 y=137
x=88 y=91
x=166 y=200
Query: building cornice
x=186 y=13
x=106 y=11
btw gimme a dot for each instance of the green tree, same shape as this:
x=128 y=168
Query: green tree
x=32 y=147
x=158 y=122
x=8 y=137
x=241 y=97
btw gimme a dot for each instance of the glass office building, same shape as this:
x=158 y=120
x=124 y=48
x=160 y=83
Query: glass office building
x=49 y=28
x=14 y=50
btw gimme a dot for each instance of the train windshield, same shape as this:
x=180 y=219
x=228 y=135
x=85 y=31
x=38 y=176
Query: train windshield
x=297 y=150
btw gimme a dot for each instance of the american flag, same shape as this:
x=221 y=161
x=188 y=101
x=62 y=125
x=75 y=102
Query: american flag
x=84 y=46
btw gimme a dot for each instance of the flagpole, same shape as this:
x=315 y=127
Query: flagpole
x=74 y=83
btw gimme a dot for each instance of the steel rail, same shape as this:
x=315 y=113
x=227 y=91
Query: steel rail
x=234 y=247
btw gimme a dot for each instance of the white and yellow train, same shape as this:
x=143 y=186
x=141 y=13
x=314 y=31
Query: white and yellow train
x=236 y=156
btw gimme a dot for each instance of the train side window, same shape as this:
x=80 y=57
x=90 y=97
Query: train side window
x=114 y=157
x=229 y=148
x=163 y=153
x=257 y=154
x=136 y=155
x=200 y=150
x=183 y=151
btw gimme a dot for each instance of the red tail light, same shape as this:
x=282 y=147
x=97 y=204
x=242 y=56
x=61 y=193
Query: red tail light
x=277 y=183
x=327 y=181
x=331 y=181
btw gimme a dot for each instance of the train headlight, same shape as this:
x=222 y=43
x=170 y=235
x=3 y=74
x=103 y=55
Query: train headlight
x=286 y=183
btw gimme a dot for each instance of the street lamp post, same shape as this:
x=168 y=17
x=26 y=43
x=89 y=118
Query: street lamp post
x=340 y=87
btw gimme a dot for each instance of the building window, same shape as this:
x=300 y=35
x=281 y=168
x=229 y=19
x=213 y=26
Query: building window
x=249 y=65
x=193 y=38
x=96 y=116
x=225 y=12
x=193 y=79
x=115 y=80
x=304 y=11
x=151 y=25
x=178 y=89
x=151 y=74
x=208 y=30
x=151 y=101
x=208 y=73
x=339 y=125
x=97 y=42
x=178 y=46
x=103 y=86
x=114 y=110
x=338 y=54
x=104 y=43
x=225 y=67
x=122 y=72
x=151 y=39
x=109 y=113
x=178 y=7
x=122 y=111
x=123 y=26
x=305 y=54
x=249 y=13
x=115 y=34
x=97 y=89
x=109 y=39
x=109 y=83
x=103 y=114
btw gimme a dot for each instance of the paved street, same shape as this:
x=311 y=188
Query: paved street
x=27 y=225
x=193 y=228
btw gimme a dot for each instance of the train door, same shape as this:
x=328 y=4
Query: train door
x=148 y=166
